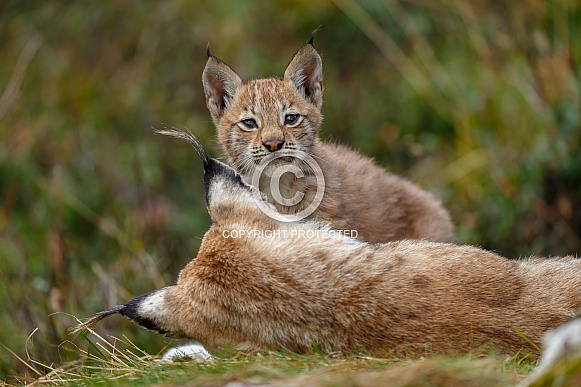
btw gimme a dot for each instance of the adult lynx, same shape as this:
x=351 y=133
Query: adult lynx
x=261 y=117
x=301 y=285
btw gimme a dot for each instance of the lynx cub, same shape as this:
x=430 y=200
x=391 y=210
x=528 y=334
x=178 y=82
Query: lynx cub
x=262 y=116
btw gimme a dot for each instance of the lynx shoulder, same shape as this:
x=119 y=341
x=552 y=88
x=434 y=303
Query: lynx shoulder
x=257 y=119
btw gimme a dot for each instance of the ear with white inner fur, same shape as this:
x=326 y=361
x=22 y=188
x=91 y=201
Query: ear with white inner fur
x=220 y=85
x=305 y=72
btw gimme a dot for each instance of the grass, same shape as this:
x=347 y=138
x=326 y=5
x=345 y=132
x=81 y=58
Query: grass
x=565 y=373
x=119 y=362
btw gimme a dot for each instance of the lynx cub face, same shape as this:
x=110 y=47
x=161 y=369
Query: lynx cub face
x=269 y=128
x=265 y=115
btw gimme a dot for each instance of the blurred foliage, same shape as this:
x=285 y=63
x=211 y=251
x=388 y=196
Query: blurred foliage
x=476 y=100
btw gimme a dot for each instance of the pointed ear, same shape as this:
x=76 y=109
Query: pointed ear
x=305 y=72
x=220 y=85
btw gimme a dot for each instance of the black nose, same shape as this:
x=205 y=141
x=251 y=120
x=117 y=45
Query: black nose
x=273 y=144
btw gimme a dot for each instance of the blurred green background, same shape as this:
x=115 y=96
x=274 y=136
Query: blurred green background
x=475 y=100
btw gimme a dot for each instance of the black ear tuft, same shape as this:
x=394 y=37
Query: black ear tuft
x=305 y=71
x=220 y=85
x=208 y=53
x=189 y=137
x=96 y=318
x=131 y=311
x=212 y=167
x=313 y=35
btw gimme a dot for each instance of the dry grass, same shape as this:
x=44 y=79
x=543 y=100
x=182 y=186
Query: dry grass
x=114 y=361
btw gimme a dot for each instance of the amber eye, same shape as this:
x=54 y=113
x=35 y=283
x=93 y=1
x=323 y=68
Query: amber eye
x=291 y=119
x=249 y=123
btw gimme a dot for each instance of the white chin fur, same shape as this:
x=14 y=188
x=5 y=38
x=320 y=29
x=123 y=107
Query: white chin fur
x=194 y=351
